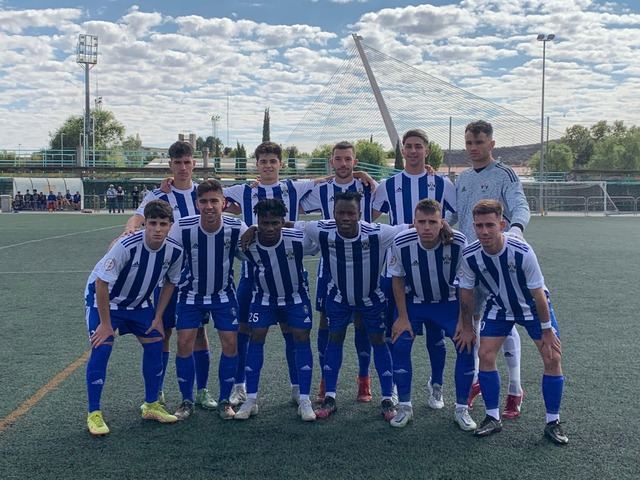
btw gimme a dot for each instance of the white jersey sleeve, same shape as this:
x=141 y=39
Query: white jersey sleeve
x=311 y=202
x=309 y=247
x=467 y=276
x=532 y=272
x=310 y=229
x=388 y=233
x=110 y=266
x=234 y=193
x=173 y=274
x=449 y=198
x=380 y=198
x=394 y=265
x=176 y=233
x=303 y=187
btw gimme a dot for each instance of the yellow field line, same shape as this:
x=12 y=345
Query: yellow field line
x=51 y=385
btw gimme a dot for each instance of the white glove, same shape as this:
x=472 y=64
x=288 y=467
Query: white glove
x=515 y=232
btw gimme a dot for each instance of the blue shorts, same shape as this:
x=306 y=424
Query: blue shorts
x=442 y=315
x=501 y=328
x=135 y=321
x=169 y=315
x=224 y=315
x=339 y=316
x=244 y=294
x=321 y=291
x=296 y=316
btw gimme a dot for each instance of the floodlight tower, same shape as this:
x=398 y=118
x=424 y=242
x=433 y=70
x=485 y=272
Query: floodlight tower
x=87 y=58
x=544 y=39
x=214 y=122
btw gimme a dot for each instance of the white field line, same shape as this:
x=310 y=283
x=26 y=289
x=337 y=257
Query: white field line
x=4 y=247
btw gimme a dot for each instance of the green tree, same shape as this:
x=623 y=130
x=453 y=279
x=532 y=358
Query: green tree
x=200 y=144
x=578 y=139
x=241 y=157
x=558 y=158
x=319 y=162
x=600 y=130
x=435 y=157
x=371 y=152
x=399 y=162
x=132 y=143
x=109 y=132
x=292 y=154
x=618 y=153
x=266 y=126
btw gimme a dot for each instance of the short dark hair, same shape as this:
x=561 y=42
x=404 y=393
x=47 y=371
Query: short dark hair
x=487 y=207
x=209 y=186
x=478 y=127
x=348 y=196
x=158 y=209
x=343 y=146
x=180 y=149
x=266 y=148
x=429 y=205
x=270 y=206
x=416 y=132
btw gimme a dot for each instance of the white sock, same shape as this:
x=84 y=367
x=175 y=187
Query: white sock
x=476 y=346
x=252 y=396
x=552 y=417
x=494 y=412
x=511 y=349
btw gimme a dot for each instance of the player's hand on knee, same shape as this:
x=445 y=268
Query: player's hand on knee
x=399 y=327
x=464 y=338
x=550 y=344
x=165 y=186
x=101 y=334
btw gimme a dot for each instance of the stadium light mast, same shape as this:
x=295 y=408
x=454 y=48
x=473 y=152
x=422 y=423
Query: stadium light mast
x=384 y=111
x=544 y=39
x=215 y=118
x=87 y=58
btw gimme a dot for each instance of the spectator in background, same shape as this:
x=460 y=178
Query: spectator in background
x=77 y=198
x=52 y=201
x=42 y=201
x=111 y=198
x=69 y=198
x=120 y=199
x=135 y=198
x=18 y=202
x=143 y=194
x=28 y=201
x=59 y=202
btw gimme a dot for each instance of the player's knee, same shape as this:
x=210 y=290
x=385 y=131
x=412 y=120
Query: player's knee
x=487 y=355
x=243 y=327
x=376 y=338
x=300 y=335
x=553 y=363
x=258 y=335
x=229 y=343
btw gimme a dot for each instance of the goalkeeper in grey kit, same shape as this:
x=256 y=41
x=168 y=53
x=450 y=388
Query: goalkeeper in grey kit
x=490 y=179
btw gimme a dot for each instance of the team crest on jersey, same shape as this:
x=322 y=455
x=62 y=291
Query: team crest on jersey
x=365 y=245
x=484 y=187
x=432 y=186
x=360 y=191
x=512 y=267
x=446 y=259
x=332 y=244
x=194 y=246
x=109 y=264
x=393 y=260
x=258 y=262
x=291 y=255
x=255 y=195
x=415 y=263
x=227 y=244
x=285 y=192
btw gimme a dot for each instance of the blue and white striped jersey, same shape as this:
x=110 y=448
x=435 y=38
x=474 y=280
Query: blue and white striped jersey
x=507 y=276
x=279 y=271
x=289 y=191
x=133 y=271
x=399 y=195
x=183 y=202
x=355 y=263
x=321 y=198
x=207 y=274
x=430 y=274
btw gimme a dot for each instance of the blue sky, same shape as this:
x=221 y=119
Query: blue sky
x=165 y=67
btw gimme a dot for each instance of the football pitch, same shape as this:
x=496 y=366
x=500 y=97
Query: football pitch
x=591 y=266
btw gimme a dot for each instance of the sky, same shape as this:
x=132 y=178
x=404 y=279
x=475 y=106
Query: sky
x=166 y=67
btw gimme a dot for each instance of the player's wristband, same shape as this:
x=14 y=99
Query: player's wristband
x=545 y=325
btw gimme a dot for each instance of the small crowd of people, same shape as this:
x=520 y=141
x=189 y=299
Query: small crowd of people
x=39 y=201
x=116 y=198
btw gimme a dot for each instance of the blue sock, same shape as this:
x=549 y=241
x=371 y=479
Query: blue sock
x=465 y=369
x=151 y=370
x=290 y=350
x=97 y=374
x=332 y=364
x=185 y=371
x=490 y=388
x=165 y=364
x=201 y=358
x=323 y=339
x=304 y=362
x=363 y=348
x=243 y=342
x=255 y=359
x=226 y=375
x=552 y=386
x=402 y=368
x=437 y=353
x=384 y=367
